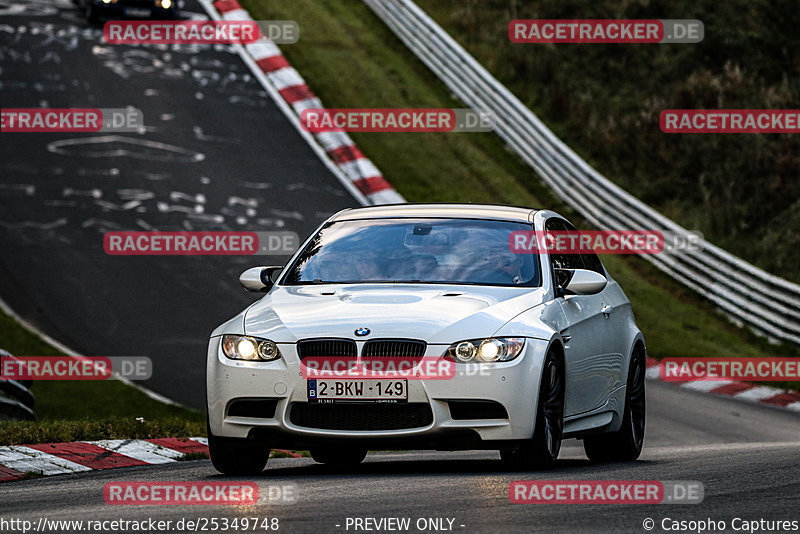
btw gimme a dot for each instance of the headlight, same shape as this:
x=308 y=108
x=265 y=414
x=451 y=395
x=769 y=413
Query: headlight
x=166 y=3
x=500 y=349
x=249 y=348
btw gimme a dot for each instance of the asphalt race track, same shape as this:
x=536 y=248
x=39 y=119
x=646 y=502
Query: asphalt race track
x=745 y=456
x=217 y=155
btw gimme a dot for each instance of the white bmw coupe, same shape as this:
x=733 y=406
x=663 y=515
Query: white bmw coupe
x=535 y=347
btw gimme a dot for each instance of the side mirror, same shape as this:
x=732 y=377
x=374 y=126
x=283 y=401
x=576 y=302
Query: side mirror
x=259 y=279
x=579 y=282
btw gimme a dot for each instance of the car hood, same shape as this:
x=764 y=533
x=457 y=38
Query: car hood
x=434 y=313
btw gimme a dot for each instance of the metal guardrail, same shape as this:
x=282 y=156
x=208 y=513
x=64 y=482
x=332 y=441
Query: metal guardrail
x=749 y=295
x=16 y=400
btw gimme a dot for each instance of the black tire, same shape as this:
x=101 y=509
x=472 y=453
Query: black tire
x=541 y=451
x=230 y=458
x=624 y=445
x=338 y=455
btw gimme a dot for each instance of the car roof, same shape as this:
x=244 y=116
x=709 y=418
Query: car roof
x=455 y=211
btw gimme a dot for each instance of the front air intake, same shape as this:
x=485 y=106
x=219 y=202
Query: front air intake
x=394 y=348
x=353 y=416
x=327 y=347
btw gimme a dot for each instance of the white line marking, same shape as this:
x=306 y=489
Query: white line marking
x=69 y=352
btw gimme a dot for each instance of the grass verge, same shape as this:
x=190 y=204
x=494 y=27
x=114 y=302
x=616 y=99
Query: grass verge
x=61 y=430
x=89 y=410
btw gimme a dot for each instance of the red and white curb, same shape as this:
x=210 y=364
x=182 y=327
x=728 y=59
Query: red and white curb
x=743 y=391
x=338 y=146
x=48 y=459
x=61 y=458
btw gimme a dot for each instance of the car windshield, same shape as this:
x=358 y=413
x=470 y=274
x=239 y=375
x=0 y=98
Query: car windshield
x=435 y=251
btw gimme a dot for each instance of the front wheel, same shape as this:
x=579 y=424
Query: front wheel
x=541 y=451
x=624 y=445
x=235 y=460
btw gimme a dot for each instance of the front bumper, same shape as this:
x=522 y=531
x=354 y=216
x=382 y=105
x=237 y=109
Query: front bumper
x=513 y=385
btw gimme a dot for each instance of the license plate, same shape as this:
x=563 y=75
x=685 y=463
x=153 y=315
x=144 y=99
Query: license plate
x=328 y=391
x=136 y=12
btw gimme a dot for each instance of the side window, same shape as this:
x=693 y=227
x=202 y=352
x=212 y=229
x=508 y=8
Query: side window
x=592 y=262
x=588 y=260
x=562 y=261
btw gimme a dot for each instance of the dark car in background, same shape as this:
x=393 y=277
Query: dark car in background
x=97 y=10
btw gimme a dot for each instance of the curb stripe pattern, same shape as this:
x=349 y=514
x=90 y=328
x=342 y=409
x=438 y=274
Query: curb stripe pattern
x=744 y=391
x=142 y=450
x=87 y=454
x=46 y=459
x=183 y=446
x=25 y=459
x=294 y=90
x=7 y=474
